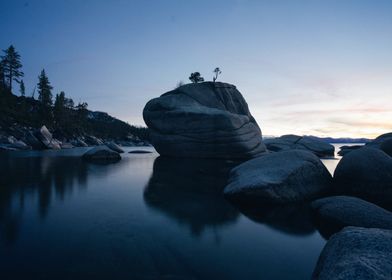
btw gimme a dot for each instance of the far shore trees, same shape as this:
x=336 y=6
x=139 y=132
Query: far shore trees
x=195 y=77
x=11 y=66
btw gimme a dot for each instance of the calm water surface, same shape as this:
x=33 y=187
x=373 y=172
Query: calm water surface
x=144 y=217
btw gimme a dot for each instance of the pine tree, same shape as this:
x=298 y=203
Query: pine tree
x=44 y=89
x=2 y=78
x=59 y=108
x=11 y=66
x=22 y=88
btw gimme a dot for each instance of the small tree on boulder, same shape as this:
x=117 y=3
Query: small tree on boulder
x=217 y=72
x=195 y=77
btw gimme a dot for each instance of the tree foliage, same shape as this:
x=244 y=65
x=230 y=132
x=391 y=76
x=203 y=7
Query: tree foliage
x=22 y=88
x=195 y=77
x=44 y=89
x=11 y=66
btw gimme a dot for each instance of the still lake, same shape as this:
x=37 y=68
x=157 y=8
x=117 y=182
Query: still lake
x=143 y=217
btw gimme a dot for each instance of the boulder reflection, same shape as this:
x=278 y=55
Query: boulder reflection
x=294 y=219
x=190 y=191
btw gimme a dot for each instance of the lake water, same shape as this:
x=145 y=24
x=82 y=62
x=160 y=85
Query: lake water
x=143 y=217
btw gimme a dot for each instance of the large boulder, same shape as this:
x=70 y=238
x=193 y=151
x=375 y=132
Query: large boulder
x=289 y=176
x=386 y=146
x=356 y=253
x=295 y=142
x=205 y=120
x=334 y=213
x=366 y=173
x=377 y=142
x=101 y=153
x=47 y=139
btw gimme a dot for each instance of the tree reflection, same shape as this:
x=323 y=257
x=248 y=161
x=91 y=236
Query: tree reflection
x=35 y=177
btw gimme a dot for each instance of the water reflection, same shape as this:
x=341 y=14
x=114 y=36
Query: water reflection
x=190 y=191
x=294 y=219
x=40 y=178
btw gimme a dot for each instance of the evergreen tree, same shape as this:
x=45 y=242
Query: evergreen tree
x=11 y=66
x=44 y=89
x=45 y=97
x=59 y=108
x=2 y=78
x=22 y=88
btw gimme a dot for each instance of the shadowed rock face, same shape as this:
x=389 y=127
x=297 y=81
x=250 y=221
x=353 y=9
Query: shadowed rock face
x=366 y=173
x=333 y=213
x=295 y=142
x=356 y=253
x=284 y=177
x=206 y=120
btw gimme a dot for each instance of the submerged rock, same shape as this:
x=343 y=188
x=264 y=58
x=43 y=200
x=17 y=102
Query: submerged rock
x=140 y=152
x=334 y=213
x=113 y=146
x=283 y=177
x=356 y=253
x=204 y=120
x=366 y=173
x=101 y=153
x=295 y=142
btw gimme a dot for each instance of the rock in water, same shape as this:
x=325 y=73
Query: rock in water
x=283 y=177
x=113 y=146
x=101 y=153
x=366 y=173
x=295 y=142
x=335 y=212
x=205 y=120
x=356 y=253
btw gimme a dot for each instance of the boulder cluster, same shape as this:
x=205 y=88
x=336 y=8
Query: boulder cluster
x=350 y=208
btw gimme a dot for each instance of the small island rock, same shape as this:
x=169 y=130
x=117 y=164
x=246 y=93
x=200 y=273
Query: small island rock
x=101 y=153
x=289 y=176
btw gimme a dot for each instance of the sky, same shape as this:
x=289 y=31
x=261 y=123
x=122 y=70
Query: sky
x=305 y=67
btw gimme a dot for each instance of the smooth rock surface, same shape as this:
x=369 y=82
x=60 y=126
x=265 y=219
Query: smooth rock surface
x=366 y=173
x=205 y=120
x=386 y=147
x=101 y=153
x=335 y=212
x=289 y=176
x=376 y=143
x=295 y=142
x=113 y=146
x=47 y=139
x=356 y=253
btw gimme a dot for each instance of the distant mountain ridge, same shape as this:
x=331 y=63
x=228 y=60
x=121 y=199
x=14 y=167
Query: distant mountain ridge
x=331 y=139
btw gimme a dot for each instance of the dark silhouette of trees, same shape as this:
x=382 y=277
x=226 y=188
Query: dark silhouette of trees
x=195 y=77
x=217 y=72
x=44 y=89
x=45 y=97
x=22 y=88
x=11 y=66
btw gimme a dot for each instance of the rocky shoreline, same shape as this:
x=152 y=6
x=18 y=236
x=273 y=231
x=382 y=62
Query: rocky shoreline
x=27 y=138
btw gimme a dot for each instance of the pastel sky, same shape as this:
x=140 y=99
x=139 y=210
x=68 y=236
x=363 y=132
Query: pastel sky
x=305 y=67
